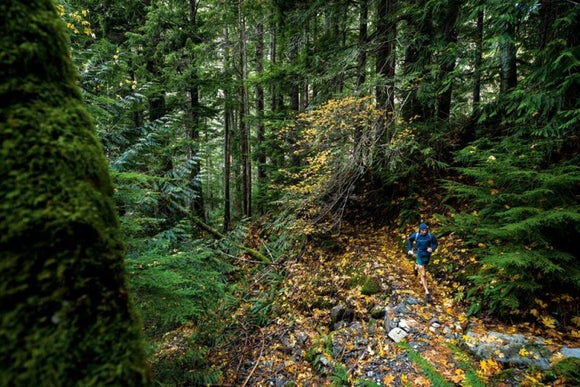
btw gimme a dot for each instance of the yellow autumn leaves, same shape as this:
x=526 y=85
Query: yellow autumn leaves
x=336 y=145
x=489 y=368
x=77 y=22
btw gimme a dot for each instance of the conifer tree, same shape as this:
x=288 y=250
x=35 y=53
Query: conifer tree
x=66 y=317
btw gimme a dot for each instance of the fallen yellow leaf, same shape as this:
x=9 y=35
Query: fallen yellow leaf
x=548 y=321
x=388 y=380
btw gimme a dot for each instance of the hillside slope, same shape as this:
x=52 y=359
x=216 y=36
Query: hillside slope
x=333 y=313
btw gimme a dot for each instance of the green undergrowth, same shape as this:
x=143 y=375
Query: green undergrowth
x=518 y=215
x=430 y=372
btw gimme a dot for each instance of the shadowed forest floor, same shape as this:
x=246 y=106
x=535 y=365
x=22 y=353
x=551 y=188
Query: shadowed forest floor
x=364 y=270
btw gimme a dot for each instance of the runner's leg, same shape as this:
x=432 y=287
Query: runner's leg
x=423 y=273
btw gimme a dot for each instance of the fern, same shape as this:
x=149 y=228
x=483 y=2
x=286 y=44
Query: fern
x=176 y=287
x=522 y=220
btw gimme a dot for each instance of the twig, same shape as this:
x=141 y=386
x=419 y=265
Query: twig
x=257 y=360
x=268 y=251
x=351 y=369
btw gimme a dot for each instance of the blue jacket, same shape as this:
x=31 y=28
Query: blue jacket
x=422 y=242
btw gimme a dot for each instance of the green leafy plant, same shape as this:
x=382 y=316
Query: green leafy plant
x=569 y=369
x=466 y=364
x=187 y=368
x=339 y=375
x=319 y=353
x=430 y=372
x=521 y=221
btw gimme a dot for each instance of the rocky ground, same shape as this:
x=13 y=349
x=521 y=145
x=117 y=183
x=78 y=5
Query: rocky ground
x=349 y=311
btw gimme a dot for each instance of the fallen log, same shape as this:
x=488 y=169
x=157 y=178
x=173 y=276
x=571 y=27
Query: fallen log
x=248 y=250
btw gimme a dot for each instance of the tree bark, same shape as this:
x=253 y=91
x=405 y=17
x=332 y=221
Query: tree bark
x=261 y=131
x=244 y=128
x=197 y=205
x=477 y=64
x=227 y=167
x=228 y=125
x=362 y=43
x=417 y=61
x=67 y=318
x=507 y=56
x=448 y=65
x=385 y=58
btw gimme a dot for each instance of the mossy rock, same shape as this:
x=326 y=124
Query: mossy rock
x=372 y=285
x=369 y=284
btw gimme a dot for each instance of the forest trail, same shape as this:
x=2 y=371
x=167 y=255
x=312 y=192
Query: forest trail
x=307 y=345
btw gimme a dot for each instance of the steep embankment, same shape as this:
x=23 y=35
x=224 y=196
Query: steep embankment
x=337 y=314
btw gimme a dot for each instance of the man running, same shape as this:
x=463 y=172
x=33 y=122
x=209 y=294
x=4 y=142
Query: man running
x=425 y=245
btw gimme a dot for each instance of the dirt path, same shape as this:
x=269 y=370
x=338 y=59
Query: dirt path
x=332 y=322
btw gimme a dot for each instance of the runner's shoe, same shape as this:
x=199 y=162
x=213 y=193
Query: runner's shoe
x=428 y=298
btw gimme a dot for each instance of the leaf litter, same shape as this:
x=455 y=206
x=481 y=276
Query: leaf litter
x=304 y=344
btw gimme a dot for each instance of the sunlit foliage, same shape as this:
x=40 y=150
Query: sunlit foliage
x=336 y=145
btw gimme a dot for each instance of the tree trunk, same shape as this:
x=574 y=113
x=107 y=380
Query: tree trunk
x=197 y=206
x=385 y=59
x=67 y=318
x=261 y=136
x=294 y=86
x=477 y=64
x=248 y=250
x=228 y=125
x=362 y=43
x=274 y=88
x=448 y=65
x=227 y=167
x=416 y=63
x=244 y=128
x=507 y=56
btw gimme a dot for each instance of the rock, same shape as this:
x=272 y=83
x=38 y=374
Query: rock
x=517 y=349
x=408 y=325
x=324 y=361
x=341 y=312
x=301 y=338
x=570 y=352
x=397 y=334
x=337 y=349
x=356 y=327
x=389 y=319
x=401 y=308
x=371 y=285
x=339 y=325
x=378 y=312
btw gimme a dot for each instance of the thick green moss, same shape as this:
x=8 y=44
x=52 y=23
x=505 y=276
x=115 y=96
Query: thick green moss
x=66 y=318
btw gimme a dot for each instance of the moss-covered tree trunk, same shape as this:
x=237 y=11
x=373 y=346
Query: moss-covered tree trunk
x=66 y=318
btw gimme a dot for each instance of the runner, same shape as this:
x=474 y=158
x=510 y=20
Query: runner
x=425 y=245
